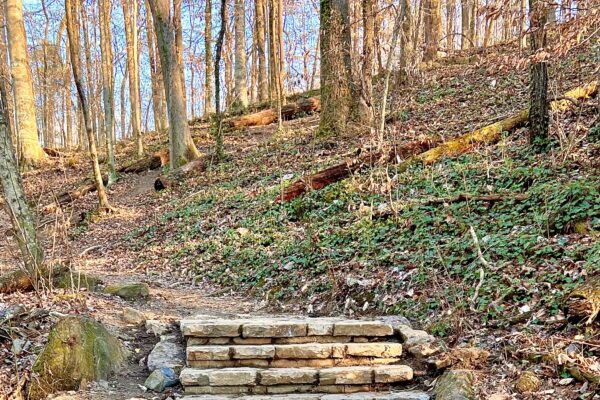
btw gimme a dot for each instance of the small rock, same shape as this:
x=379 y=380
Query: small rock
x=133 y=316
x=158 y=328
x=528 y=382
x=161 y=379
x=166 y=354
x=500 y=396
x=131 y=291
x=455 y=384
x=18 y=345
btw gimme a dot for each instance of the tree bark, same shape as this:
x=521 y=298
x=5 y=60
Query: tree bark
x=275 y=58
x=16 y=203
x=241 y=84
x=465 y=15
x=108 y=86
x=218 y=53
x=30 y=149
x=5 y=82
x=130 y=16
x=208 y=61
x=72 y=16
x=538 y=115
x=182 y=148
x=450 y=11
x=158 y=86
x=366 y=105
x=263 y=82
x=432 y=28
x=335 y=77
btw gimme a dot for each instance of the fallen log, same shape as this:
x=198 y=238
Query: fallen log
x=486 y=135
x=53 y=152
x=61 y=277
x=288 y=111
x=176 y=176
x=343 y=170
x=85 y=187
x=584 y=301
x=155 y=161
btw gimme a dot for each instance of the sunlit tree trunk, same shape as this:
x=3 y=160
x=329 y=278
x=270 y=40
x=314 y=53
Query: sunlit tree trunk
x=208 y=61
x=241 y=84
x=30 y=150
x=179 y=43
x=275 y=65
x=218 y=53
x=336 y=99
x=450 y=12
x=72 y=16
x=263 y=81
x=130 y=16
x=5 y=83
x=368 y=17
x=538 y=111
x=406 y=53
x=108 y=85
x=182 y=148
x=465 y=13
x=158 y=89
x=432 y=28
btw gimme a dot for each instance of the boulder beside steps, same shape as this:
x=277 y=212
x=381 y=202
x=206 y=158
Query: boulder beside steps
x=304 y=359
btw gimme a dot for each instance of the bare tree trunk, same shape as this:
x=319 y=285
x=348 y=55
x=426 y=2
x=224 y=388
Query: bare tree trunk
x=432 y=28
x=72 y=16
x=209 y=66
x=16 y=205
x=181 y=146
x=130 y=16
x=108 y=86
x=450 y=13
x=366 y=105
x=30 y=151
x=263 y=82
x=275 y=59
x=218 y=54
x=5 y=83
x=336 y=99
x=179 y=43
x=538 y=109
x=465 y=12
x=158 y=87
x=241 y=84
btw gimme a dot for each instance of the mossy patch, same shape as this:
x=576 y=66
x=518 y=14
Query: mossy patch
x=76 y=280
x=79 y=350
x=130 y=291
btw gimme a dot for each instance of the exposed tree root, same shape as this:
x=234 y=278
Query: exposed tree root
x=428 y=155
x=288 y=111
x=155 y=161
x=343 y=170
x=174 y=177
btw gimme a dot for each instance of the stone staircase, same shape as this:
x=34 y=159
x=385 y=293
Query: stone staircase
x=304 y=359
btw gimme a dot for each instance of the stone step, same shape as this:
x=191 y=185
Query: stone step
x=256 y=328
x=400 y=395
x=293 y=380
x=228 y=355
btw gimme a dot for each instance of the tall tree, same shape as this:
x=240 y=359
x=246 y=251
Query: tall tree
x=208 y=60
x=158 y=87
x=432 y=28
x=16 y=205
x=30 y=150
x=218 y=54
x=108 y=85
x=263 y=81
x=450 y=11
x=465 y=14
x=130 y=15
x=335 y=77
x=5 y=82
x=181 y=146
x=72 y=17
x=241 y=84
x=368 y=16
x=275 y=64
x=179 y=43
x=538 y=109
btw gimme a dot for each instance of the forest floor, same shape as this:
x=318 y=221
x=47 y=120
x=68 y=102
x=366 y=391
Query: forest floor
x=218 y=244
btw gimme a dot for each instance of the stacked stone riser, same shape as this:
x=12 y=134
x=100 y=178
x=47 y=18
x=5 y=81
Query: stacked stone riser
x=276 y=357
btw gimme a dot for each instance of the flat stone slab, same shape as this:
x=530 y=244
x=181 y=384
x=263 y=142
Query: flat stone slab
x=346 y=376
x=284 y=328
x=288 y=376
x=401 y=395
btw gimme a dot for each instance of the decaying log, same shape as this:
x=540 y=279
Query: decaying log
x=428 y=155
x=341 y=171
x=584 y=301
x=61 y=277
x=15 y=281
x=266 y=117
x=174 y=177
x=85 y=187
x=155 y=161
x=53 y=152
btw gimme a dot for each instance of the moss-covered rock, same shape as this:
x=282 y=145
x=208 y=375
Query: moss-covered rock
x=79 y=349
x=76 y=280
x=456 y=384
x=528 y=382
x=130 y=291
